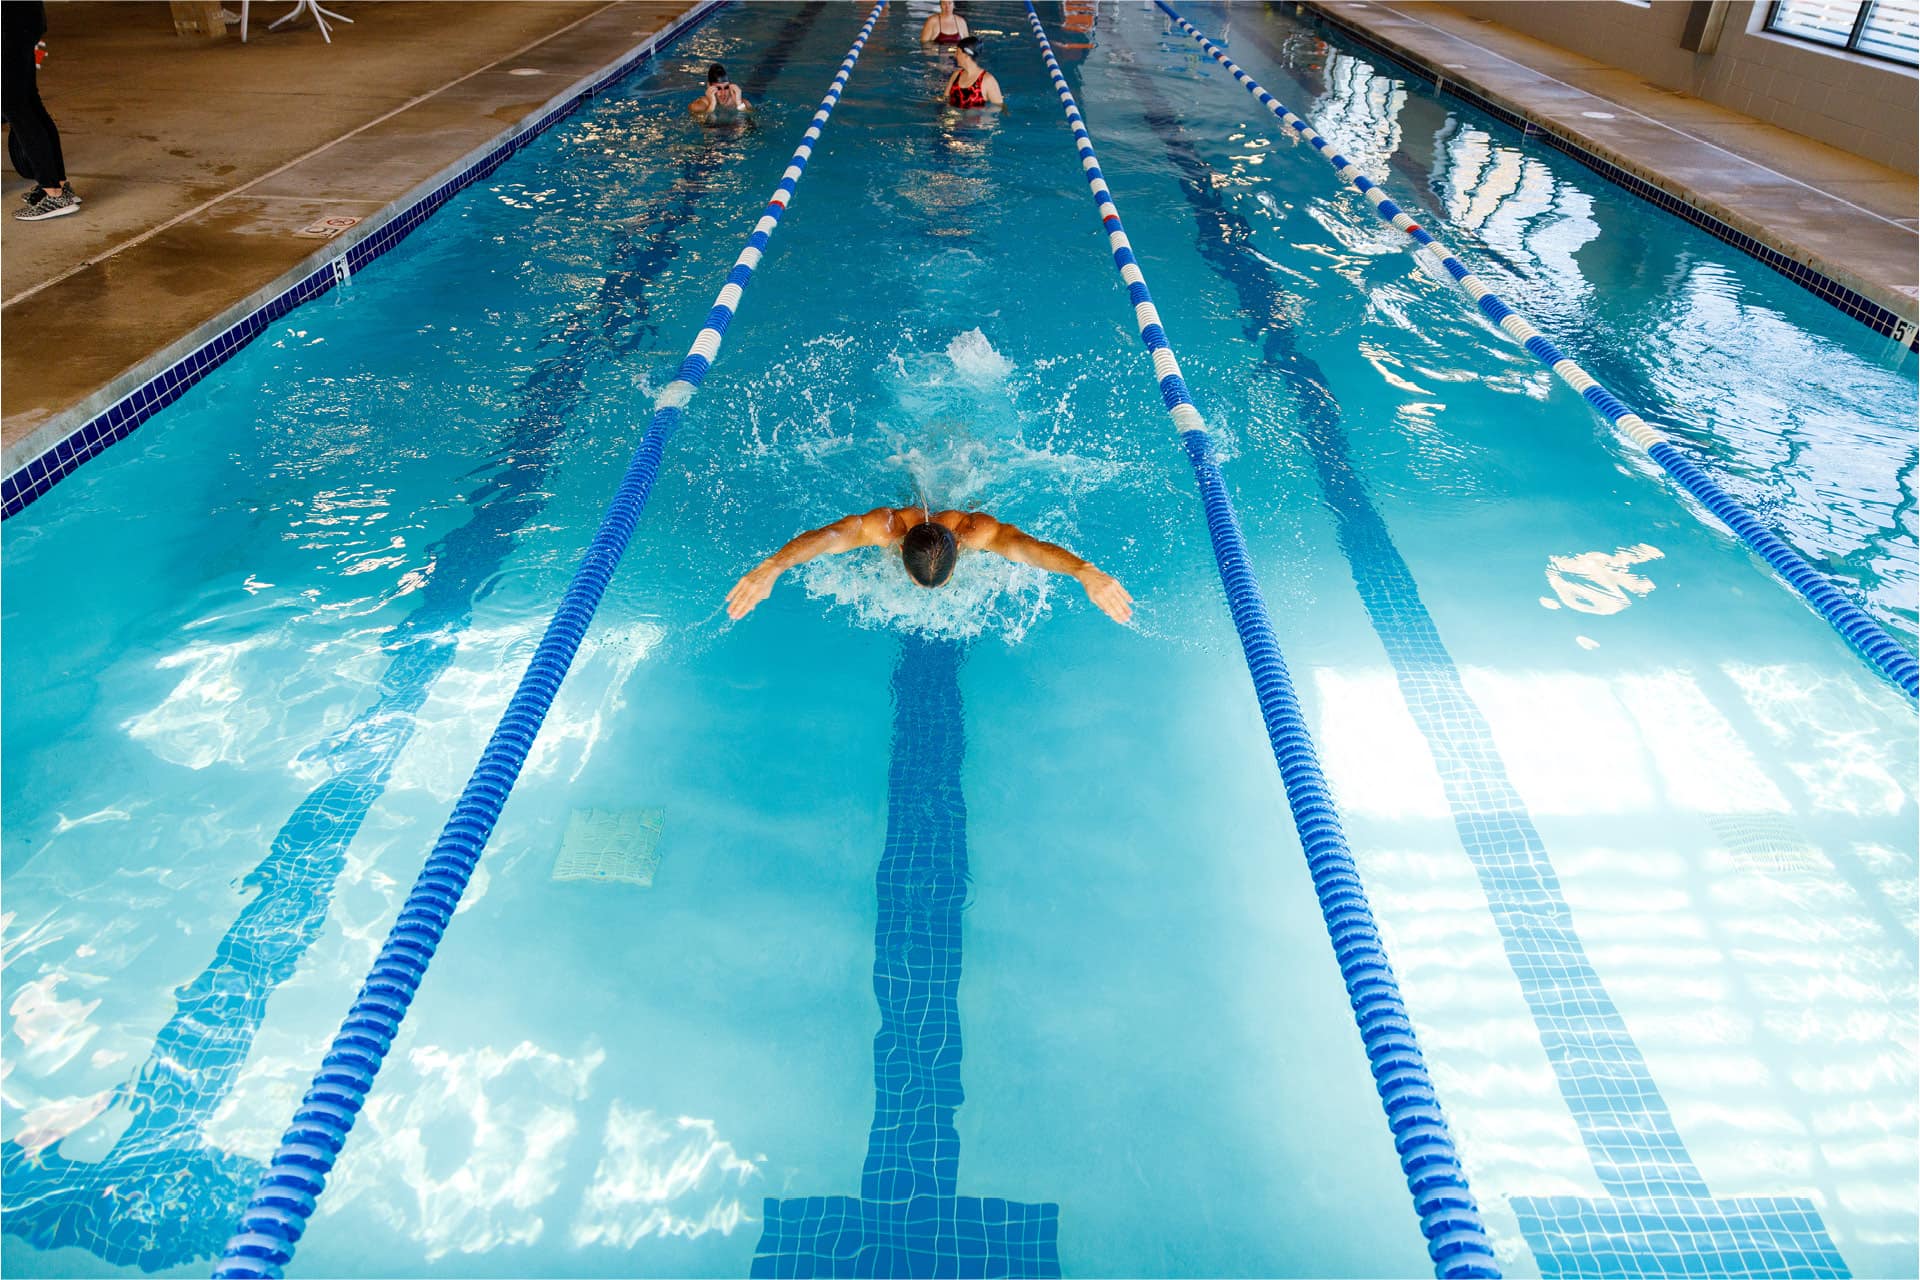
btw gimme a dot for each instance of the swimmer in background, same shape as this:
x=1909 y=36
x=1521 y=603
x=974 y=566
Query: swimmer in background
x=944 y=27
x=970 y=85
x=929 y=544
x=722 y=100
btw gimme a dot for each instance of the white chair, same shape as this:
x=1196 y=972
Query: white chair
x=309 y=7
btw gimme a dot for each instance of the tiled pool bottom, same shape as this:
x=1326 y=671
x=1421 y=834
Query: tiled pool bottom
x=909 y=1219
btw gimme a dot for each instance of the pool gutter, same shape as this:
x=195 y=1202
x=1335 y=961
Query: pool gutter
x=50 y=452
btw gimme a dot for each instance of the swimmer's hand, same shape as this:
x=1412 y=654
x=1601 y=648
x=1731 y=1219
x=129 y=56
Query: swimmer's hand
x=756 y=586
x=1107 y=595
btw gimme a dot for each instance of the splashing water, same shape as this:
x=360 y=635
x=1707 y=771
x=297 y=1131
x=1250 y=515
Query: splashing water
x=985 y=594
x=975 y=360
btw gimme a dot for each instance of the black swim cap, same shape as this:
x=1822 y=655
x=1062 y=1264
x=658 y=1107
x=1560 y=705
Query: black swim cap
x=929 y=550
x=971 y=45
x=716 y=74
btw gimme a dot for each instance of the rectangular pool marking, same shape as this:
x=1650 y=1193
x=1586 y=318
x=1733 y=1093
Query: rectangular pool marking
x=909 y=1219
x=1659 y=1217
x=175 y=1195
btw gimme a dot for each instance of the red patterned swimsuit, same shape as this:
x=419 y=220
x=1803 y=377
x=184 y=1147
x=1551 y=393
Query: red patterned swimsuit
x=968 y=95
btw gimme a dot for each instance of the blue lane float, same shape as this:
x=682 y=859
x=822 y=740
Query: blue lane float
x=1859 y=628
x=273 y=1222
x=1449 y=1216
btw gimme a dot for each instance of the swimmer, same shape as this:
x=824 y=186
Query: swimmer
x=929 y=544
x=971 y=85
x=722 y=100
x=944 y=27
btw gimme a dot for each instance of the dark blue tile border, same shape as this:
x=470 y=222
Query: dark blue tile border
x=1865 y=310
x=26 y=483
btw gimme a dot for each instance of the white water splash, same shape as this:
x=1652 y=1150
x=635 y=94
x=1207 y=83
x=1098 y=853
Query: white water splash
x=985 y=594
x=975 y=360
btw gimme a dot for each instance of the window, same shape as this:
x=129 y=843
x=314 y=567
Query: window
x=1888 y=29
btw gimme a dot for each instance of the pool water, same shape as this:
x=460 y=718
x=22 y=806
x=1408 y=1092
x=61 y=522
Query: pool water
x=1640 y=829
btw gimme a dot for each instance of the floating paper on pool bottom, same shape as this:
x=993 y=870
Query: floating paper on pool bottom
x=620 y=845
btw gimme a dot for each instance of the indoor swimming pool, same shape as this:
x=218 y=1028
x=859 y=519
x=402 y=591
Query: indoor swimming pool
x=1637 y=826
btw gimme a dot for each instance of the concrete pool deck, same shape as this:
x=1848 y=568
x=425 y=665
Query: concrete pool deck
x=1851 y=219
x=202 y=164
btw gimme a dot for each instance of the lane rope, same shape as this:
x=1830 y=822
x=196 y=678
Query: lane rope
x=1860 y=629
x=274 y=1220
x=1449 y=1217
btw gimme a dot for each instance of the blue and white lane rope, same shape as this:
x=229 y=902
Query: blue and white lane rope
x=1449 y=1217
x=275 y=1219
x=1856 y=625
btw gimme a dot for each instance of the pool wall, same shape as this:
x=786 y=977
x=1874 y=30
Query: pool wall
x=156 y=383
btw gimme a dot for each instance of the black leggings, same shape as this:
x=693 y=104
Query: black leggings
x=26 y=114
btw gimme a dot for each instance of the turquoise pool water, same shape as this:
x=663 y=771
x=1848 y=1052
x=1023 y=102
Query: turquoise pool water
x=251 y=653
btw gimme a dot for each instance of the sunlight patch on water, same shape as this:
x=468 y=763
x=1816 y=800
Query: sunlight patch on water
x=479 y=1139
x=648 y=1166
x=203 y=720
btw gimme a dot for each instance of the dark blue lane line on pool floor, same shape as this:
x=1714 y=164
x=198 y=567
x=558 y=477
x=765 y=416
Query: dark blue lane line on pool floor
x=909 y=1219
x=1659 y=1218
x=174 y=1198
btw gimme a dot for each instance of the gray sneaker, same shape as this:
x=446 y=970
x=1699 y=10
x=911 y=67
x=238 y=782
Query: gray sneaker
x=58 y=205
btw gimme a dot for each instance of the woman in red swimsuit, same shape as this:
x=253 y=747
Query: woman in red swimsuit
x=971 y=85
x=945 y=27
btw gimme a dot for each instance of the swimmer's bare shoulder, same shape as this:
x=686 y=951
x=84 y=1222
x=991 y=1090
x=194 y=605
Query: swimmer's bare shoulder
x=981 y=532
x=974 y=530
x=887 y=526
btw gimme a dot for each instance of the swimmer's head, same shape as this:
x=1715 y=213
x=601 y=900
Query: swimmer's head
x=970 y=46
x=716 y=74
x=929 y=551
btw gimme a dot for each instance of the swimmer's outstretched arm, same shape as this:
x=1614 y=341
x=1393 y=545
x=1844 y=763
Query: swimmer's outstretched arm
x=982 y=531
x=877 y=528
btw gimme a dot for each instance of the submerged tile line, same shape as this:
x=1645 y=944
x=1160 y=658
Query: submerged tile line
x=173 y=1195
x=1658 y=1218
x=376 y=236
x=1875 y=316
x=909 y=1218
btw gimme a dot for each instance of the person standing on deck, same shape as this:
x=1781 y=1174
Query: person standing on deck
x=944 y=27
x=971 y=85
x=930 y=542
x=722 y=100
x=22 y=23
